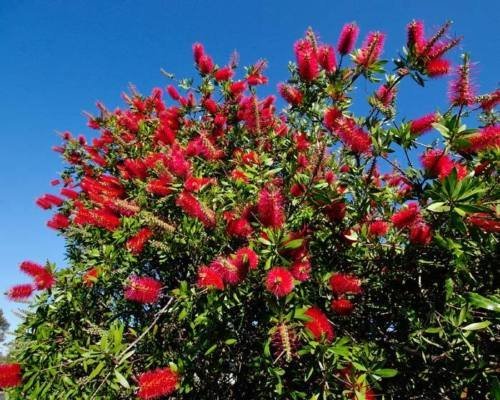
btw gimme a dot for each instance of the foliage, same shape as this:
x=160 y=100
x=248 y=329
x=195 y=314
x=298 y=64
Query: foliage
x=218 y=249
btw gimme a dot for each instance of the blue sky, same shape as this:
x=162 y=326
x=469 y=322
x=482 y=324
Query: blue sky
x=59 y=57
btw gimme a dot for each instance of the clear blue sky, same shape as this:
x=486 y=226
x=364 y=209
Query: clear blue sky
x=59 y=57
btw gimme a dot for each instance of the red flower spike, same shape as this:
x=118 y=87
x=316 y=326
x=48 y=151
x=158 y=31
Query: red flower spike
x=378 y=228
x=343 y=283
x=143 y=290
x=371 y=49
x=326 y=58
x=307 y=60
x=461 y=88
x=137 y=242
x=485 y=222
x=438 y=67
x=420 y=234
x=58 y=222
x=423 y=124
x=246 y=257
x=301 y=270
x=210 y=278
x=342 y=306
x=10 y=375
x=290 y=94
x=487 y=138
x=436 y=163
x=223 y=74
x=20 y=292
x=318 y=325
x=91 y=276
x=157 y=383
x=347 y=39
x=279 y=281
x=406 y=216
x=270 y=208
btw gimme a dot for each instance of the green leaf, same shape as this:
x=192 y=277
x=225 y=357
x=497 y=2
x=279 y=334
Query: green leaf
x=121 y=379
x=293 y=244
x=438 y=206
x=386 y=372
x=231 y=341
x=477 y=326
x=97 y=370
x=478 y=301
x=211 y=349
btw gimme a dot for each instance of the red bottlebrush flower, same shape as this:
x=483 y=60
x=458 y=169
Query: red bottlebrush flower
x=385 y=95
x=332 y=118
x=416 y=39
x=239 y=175
x=279 y=281
x=307 y=60
x=344 y=283
x=438 y=67
x=326 y=58
x=437 y=163
x=237 y=88
x=91 y=276
x=342 y=306
x=297 y=189
x=487 y=138
x=335 y=211
x=198 y=52
x=422 y=124
x=246 y=257
x=238 y=226
x=48 y=201
x=490 y=101
x=10 y=375
x=371 y=49
x=192 y=207
x=69 y=193
x=301 y=270
x=143 y=290
x=285 y=342
x=31 y=268
x=420 y=233
x=58 y=221
x=210 y=278
x=378 y=228
x=195 y=184
x=210 y=105
x=257 y=115
x=356 y=139
x=157 y=383
x=290 y=94
x=486 y=222
x=255 y=76
x=20 y=292
x=160 y=186
x=223 y=74
x=137 y=242
x=173 y=93
x=318 y=325
x=406 y=216
x=205 y=64
x=461 y=88
x=99 y=217
x=347 y=39
x=232 y=273
x=270 y=208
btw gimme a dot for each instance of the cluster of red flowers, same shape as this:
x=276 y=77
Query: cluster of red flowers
x=143 y=290
x=10 y=375
x=43 y=279
x=157 y=383
x=430 y=51
x=409 y=217
x=318 y=325
x=353 y=136
x=341 y=285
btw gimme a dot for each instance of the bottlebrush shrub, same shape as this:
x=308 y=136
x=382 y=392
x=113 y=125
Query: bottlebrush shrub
x=221 y=249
